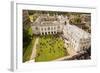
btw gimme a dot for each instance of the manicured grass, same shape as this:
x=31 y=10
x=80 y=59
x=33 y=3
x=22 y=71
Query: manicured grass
x=50 y=47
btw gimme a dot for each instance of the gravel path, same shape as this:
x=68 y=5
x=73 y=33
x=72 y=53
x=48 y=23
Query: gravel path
x=34 y=49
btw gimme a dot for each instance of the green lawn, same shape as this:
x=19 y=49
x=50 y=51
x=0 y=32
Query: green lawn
x=50 y=47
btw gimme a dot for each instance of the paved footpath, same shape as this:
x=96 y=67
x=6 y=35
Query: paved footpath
x=34 y=49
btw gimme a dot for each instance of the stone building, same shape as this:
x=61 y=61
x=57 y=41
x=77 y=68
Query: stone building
x=78 y=38
x=48 y=24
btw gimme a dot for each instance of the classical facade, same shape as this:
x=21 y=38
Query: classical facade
x=48 y=24
x=78 y=38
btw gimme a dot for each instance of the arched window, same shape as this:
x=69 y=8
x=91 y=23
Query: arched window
x=54 y=32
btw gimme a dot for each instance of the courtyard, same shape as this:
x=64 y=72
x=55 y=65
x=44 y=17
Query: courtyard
x=54 y=36
x=50 y=47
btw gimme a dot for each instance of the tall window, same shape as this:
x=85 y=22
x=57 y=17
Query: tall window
x=48 y=28
x=36 y=28
x=51 y=28
x=42 y=29
x=65 y=23
x=45 y=29
x=54 y=28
